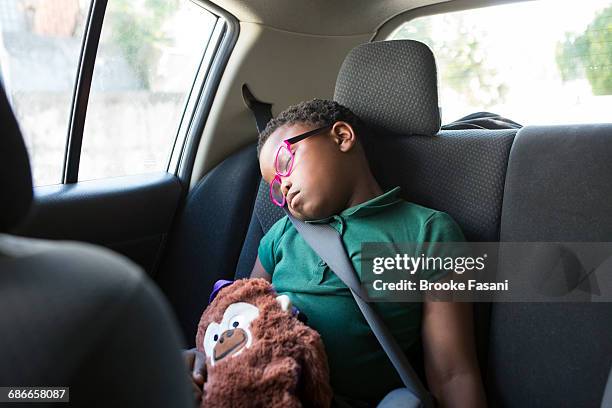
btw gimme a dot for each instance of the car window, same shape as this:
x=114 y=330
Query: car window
x=502 y=59
x=40 y=42
x=148 y=56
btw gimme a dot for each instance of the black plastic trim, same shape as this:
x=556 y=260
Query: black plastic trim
x=106 y=211
x=225 y=48
x=80 y=98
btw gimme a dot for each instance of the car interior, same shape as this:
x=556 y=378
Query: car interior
x=201 y=219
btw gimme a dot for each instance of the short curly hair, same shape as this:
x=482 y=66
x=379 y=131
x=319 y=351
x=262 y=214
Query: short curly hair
x=317 y=112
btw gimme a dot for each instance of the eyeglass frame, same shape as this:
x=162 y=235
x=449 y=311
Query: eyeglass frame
x=287 y=143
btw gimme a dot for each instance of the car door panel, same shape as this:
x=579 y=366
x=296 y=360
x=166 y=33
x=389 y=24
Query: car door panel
x=130 y=215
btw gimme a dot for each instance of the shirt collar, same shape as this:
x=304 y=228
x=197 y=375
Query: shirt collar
x=369 y=207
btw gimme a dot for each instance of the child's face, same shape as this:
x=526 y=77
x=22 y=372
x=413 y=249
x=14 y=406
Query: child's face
x=319 y=184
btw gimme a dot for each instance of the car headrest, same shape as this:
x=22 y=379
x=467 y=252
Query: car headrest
x=15 y=177
x=391 y=85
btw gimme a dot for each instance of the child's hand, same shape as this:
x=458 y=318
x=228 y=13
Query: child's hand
x=195 y=361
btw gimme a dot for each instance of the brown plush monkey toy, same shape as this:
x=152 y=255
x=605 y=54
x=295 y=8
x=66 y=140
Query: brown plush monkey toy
x=258 y=354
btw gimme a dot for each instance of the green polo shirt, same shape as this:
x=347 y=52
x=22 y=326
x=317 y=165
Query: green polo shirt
x=359 y=368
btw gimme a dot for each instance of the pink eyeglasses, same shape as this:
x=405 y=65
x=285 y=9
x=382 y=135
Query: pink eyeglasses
x=283 y=164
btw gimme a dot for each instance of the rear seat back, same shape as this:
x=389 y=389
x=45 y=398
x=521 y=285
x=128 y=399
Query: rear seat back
x=558 y=188
x=206 y=238
x=460 y=172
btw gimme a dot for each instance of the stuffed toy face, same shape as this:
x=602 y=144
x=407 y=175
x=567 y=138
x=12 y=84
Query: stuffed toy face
x=233 y=334
x=258 y=353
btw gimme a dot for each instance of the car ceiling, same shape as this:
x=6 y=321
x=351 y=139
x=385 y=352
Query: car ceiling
x=321 y=17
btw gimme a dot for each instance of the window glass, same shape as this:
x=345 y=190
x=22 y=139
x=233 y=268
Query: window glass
x=147 y=60
x=542 y=62
x=40 y=42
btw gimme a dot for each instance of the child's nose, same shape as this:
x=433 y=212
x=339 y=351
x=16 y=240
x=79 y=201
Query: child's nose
x=285 y=185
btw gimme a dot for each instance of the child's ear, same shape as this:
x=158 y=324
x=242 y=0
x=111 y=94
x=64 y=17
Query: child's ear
x=344 y=136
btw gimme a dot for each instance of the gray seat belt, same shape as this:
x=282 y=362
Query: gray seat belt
x=327 y=243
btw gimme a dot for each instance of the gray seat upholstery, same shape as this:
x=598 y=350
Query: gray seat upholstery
x=77 y=315
x=558 y=188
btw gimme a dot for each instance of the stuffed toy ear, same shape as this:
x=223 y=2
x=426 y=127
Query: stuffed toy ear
x=284 y=302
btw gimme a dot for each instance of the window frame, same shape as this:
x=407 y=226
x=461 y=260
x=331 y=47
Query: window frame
x=185 y=147
x=385 y=30
x=197 y=105
x=80 y=96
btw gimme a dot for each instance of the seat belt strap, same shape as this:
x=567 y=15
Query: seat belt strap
x=327 y=243
x=261 y=110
